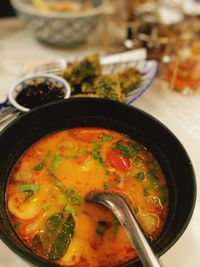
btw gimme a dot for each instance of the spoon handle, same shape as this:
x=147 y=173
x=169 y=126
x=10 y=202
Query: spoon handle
x=120 y=208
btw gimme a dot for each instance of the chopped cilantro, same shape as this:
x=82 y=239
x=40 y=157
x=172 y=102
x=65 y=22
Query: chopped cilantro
x=103 y=138
x=100 y=229
x=140 y=176
x=138 y=147
x=82 y=150
x=96 y=154
x=108 y=172
x=107 y=186
x=137 y=162
x=57 y=161
x=28 y=194
x=146 y=191
x=106 y=138
x=153 y=179
x=57 y=184
x=152 y=176
x=39 y=166
x=153 y=166
x=126 y=151
x=74 y=197
x=70 y=209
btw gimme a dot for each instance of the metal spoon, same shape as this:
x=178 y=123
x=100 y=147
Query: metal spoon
x=117 y=204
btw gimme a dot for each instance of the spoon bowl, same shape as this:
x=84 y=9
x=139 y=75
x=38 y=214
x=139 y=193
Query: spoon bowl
x=119 y=206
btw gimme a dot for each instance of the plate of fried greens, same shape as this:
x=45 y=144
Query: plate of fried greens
x=115 y=77
x=120 y=81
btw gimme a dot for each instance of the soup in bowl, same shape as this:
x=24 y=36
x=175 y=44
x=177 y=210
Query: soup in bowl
x=48 y=185
x=50 y=165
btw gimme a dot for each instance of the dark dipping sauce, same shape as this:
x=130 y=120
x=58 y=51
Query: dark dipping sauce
x=33 y=95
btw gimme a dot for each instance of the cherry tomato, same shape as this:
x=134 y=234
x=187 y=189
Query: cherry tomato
x=85 y=134
x=119 y=162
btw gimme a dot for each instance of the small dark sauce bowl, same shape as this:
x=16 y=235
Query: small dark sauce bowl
x=36 y=90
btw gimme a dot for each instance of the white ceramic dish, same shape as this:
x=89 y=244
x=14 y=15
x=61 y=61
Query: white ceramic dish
x=17 y=87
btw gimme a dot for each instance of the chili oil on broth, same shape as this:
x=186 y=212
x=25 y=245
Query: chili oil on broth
x=47 y=187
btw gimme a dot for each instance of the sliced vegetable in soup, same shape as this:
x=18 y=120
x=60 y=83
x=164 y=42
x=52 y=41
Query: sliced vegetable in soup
x=47 y=189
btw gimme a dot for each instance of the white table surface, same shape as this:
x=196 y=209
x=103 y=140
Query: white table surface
x=181 y=114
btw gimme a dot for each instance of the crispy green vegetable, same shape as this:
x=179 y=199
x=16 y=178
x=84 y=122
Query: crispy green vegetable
x=86 y=79
x=129 y=79
x=108 y=86
x=83 y=70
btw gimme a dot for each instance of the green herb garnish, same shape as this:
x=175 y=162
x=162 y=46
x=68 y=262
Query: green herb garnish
x=140 y=176
x=29 y=187
x=70 y=209
x=126 y=151
x=153 y=166
x=39 y=166
x=106 y=138
x=102 y=139
x=57 y=184
x=146 y=191
x=100 y=229
x=152 y=176
x=108 y=172
x=107 y=186
x=153 y=179
x=73 y=197
x=57 y=161
x=138 y=147
x=96 y=154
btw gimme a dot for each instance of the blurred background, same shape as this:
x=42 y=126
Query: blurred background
x=169 y=31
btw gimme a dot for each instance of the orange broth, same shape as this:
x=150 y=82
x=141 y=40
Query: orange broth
x=48 y=185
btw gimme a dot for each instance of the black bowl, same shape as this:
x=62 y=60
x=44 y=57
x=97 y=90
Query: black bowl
x=30 y=127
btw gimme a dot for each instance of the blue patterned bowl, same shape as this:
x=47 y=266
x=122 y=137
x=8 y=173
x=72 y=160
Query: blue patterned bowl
x=59 y=28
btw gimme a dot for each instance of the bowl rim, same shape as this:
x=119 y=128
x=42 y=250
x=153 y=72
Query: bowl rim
x=12 y=92
x=30 y=10
x=170 y=244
